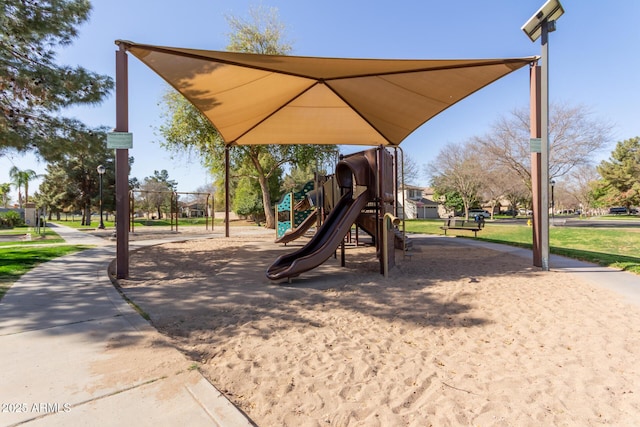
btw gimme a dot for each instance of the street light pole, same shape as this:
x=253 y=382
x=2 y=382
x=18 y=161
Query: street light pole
x=539 y=26
x=101 y=171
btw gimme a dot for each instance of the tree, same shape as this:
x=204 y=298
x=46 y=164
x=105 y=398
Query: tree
x=56 y=193
x=33 y=88
x=498 y=183
x=20 y=179
x=455 y=170
x=411 y=170
x=450 y=199
x=5 y=188
x=187 y=130
x=261 y=33
x=248 y=199
x=72 y=181
x=296 y=178
x=157 y=192
x=574 y=137
x=621 y=174
x=580 y=187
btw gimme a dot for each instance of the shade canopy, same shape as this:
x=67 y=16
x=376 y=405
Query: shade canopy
x=256 y=99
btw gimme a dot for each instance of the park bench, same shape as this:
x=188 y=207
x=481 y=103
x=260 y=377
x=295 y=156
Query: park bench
x=462 y=224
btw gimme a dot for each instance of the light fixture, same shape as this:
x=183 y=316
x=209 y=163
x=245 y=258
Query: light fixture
x=550 y=12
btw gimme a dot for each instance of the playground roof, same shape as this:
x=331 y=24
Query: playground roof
x=256 y=99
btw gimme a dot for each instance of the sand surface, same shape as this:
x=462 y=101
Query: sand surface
x=455 y=336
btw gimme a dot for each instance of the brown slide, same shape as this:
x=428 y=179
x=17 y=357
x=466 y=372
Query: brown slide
x=329 y=236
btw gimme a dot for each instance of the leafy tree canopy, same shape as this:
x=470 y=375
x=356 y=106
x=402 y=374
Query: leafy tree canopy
x=621 y=173
x=33 y=88
x=72 y=181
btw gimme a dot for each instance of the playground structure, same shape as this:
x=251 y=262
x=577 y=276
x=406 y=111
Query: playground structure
x=297 y=217
x=302 y=100
x=174 y=213
x=367 y=181
x=312 y=204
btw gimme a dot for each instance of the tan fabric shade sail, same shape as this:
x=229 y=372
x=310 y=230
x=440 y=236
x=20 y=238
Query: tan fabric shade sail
x=266 y=99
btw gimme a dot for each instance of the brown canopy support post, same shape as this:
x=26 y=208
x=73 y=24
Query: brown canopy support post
x=122 y=167
x=226 y=191
x=536 y=164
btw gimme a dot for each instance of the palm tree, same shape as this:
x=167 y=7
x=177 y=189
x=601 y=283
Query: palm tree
x=21 y=178
x=5 y=188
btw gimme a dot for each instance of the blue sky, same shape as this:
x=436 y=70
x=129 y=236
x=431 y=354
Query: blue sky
x=593 y=54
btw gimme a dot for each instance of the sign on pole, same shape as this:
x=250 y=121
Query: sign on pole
x=536 y=145
x=120 y=140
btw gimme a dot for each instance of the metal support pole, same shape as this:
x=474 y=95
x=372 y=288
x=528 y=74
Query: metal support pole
x=404 y=234
x=292 y=212
x=206 y=214
x=539 y=26
x=544 y=148
x=226 y=190
x=388 y=248
x=175 y=208
x=122 y=167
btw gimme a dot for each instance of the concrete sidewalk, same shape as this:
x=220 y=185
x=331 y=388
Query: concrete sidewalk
x=73 y=352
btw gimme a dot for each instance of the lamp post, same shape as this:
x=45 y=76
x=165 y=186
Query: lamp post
x=553 y=203
x=539 y=26
x=101 y=170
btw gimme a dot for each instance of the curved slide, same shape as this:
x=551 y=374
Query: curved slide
x=324 y=243
x=299 y=231
x=329 y=236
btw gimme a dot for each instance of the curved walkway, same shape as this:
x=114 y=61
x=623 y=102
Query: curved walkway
x=74 y=353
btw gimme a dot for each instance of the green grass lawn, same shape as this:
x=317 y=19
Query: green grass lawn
x=613 y=247
x=18 y=235
x=16 y=261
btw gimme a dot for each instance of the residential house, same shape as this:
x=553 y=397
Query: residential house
x=193 y=210
x=419 y=203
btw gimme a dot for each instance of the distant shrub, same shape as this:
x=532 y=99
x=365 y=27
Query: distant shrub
x=10 y=219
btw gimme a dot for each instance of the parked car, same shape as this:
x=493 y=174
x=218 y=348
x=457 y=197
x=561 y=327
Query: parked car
x=617 y=211
x=484 y=213
x=510 y=212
